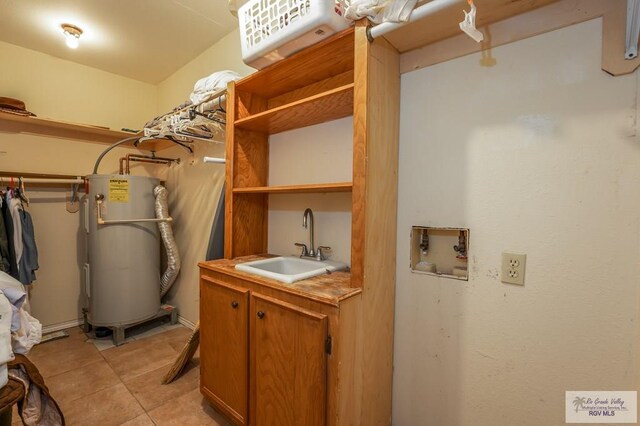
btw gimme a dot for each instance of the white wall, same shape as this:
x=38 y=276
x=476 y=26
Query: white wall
x=317 y=154
x=540 y=155
x=63 y=90
x=223 y=55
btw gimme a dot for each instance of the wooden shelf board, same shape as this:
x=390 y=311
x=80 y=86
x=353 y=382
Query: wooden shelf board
x=297 y=189
x=328 y=58
x=59 y=129
x=444 y=24
x=325 y=106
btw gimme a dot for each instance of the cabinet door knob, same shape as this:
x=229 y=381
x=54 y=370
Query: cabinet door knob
x=260 y=314
x=234 y=304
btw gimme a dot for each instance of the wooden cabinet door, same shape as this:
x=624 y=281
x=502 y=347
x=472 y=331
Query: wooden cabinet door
x=224 y=347
x=288 y=364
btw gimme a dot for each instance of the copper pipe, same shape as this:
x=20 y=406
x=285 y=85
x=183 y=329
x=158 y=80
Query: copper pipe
x=140 y=160
x=147 y=159
x=125 y=167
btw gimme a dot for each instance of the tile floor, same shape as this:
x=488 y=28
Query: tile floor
x=96 y=383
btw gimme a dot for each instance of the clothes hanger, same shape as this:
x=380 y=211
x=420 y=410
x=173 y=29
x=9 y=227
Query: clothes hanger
x=23 y=193
x=174 y=140
x=209 y=116
x=193 y=128
x=15 y=193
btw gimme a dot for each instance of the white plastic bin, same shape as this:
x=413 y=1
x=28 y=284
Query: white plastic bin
x=271 y=30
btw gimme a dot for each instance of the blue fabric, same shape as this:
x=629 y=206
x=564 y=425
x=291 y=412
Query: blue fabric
x=29 y=260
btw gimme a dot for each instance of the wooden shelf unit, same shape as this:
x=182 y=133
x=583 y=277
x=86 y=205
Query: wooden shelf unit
x=343 y=75
x=313 y=86
x=297 y=189
x=12 y=123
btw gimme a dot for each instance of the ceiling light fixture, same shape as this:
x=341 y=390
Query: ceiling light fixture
x=71 y=35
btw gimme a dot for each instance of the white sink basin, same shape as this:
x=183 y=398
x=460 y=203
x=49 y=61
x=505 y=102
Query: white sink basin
x=289 y=269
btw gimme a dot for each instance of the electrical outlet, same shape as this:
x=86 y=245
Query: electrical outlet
x=513 y=265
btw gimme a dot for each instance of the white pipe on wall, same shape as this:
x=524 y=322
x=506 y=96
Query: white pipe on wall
x=214 y=160
x=633 y=28
x=417 y=14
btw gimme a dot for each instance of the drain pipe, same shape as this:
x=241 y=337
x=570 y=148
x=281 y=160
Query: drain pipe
x=173 y=257
x=417 y=14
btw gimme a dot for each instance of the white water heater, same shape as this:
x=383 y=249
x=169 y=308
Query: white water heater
x=122 y=272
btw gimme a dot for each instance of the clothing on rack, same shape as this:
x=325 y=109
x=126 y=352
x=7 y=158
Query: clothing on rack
x=20 y=237
x=29 y=260
x=5 y=266
x=14 y=209
x=8 y=222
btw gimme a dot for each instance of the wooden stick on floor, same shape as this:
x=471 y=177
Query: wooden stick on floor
x=185 y=356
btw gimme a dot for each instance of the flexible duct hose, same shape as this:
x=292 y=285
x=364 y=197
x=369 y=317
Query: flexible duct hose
x=173 y=257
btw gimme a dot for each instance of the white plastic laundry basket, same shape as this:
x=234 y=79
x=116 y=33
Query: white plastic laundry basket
x=271 y=30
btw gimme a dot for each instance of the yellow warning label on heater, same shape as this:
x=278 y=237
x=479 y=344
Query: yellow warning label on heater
x=119 y=190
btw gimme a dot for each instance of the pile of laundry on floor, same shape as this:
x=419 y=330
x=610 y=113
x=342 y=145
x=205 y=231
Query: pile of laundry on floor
x=19 y=331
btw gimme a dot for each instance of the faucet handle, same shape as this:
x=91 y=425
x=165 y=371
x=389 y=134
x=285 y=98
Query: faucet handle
x=320 y=252
x=305 y=251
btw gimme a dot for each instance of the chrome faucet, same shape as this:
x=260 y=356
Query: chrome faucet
x=309 y=213
x=311 y=252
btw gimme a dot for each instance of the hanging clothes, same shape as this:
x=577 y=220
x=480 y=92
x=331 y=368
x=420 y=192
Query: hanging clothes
x=22 y=256
x=8 y=222
x=5 y=265
x=29 y=261
x=15 y=207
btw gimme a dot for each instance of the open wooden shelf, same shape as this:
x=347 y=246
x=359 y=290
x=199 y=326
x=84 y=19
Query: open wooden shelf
x=12 y=123
x=326 y=106
x=297 y=189
x=60 y=129
x=326 y=59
